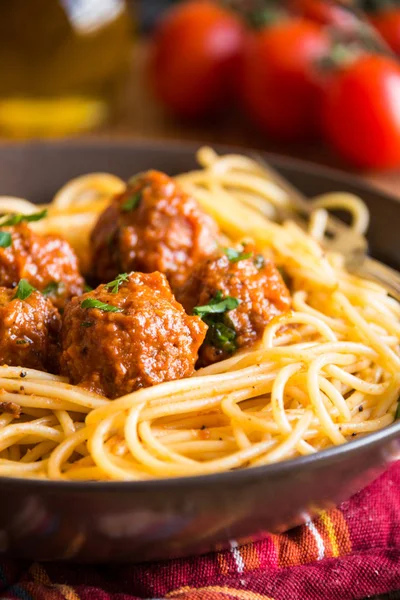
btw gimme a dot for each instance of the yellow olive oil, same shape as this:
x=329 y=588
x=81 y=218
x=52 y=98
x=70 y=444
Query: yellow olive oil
x=62 y=64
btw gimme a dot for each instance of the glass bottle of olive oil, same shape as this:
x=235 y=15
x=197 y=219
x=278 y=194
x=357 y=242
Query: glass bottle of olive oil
x=62 y=64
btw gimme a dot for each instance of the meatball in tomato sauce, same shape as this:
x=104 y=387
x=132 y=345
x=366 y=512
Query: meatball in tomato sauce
x=29 y=329
x=152 y=226
x=236 y=292
x=129 y=334
x=47 y=262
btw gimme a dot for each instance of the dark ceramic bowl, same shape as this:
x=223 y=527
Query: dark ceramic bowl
x=45 y=520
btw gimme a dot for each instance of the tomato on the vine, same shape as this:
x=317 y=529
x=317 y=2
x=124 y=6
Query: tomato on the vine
x=326 y=12
x=361 y=111
x=278 y=84
x=194 y=58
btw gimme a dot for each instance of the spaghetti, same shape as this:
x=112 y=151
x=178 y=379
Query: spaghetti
x=323 y=373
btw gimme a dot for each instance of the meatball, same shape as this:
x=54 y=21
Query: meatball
x=29 y=330
x=47 y=262
x=152 y=226
x=249 y=292
x=129 y=334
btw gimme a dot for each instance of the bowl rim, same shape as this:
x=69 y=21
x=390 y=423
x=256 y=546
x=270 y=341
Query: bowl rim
x=236 y=476
x=121 y=142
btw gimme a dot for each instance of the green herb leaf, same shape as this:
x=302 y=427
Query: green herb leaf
x=113 y=286
x=93 y=303
x=131 y=202
x=87 y=288
x=87 y=323
x=259 y=261
x=21 y=342
x=51 y=288
x=24 y=290
x=235 y=256
x=217 y=298
x=16 y=219
x=217 y=305
x=221 y=336
x=397 y=413
x=5 y=239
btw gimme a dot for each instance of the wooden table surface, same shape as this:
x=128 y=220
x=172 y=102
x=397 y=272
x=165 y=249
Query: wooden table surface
x=142 y=117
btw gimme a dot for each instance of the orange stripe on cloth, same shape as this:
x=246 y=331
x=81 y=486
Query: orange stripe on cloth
x=56 y=591
x=39 y=574
x=296 y=547
x=240 y=559
x=215 y=593
x=68 y=592
x=223 y=563
x=251 y=557
x=333 y=526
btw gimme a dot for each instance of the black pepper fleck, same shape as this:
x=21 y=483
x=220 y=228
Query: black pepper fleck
x=22 y=374
x=360 y=408
x=21 y=388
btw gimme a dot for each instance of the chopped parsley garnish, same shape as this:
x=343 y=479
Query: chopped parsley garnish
x=220 y=334
x=397 y=413
x=217 y=305
x=87 y=288
x=16 y=219
x=113 y=286
x=5 y=239
x=259 y=261
x=235 y=256
x=52 y=288
x=24 y=290
x=20 y=342
x=131 y=202
x=87 y=323
x=93 y=303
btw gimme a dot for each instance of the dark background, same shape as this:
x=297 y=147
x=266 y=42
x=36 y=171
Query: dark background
x=147 y=11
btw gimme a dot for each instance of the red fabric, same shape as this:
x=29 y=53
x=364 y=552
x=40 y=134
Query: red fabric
x=348 y=553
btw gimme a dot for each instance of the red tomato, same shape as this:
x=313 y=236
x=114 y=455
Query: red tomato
x=196 y=47
x=326 y=12
x=387 y=23
x=361 y=112
x=278 y=86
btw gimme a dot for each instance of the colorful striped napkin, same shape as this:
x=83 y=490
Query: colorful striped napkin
x=348 y=553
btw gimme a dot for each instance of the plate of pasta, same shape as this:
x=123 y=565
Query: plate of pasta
x=180 y=367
